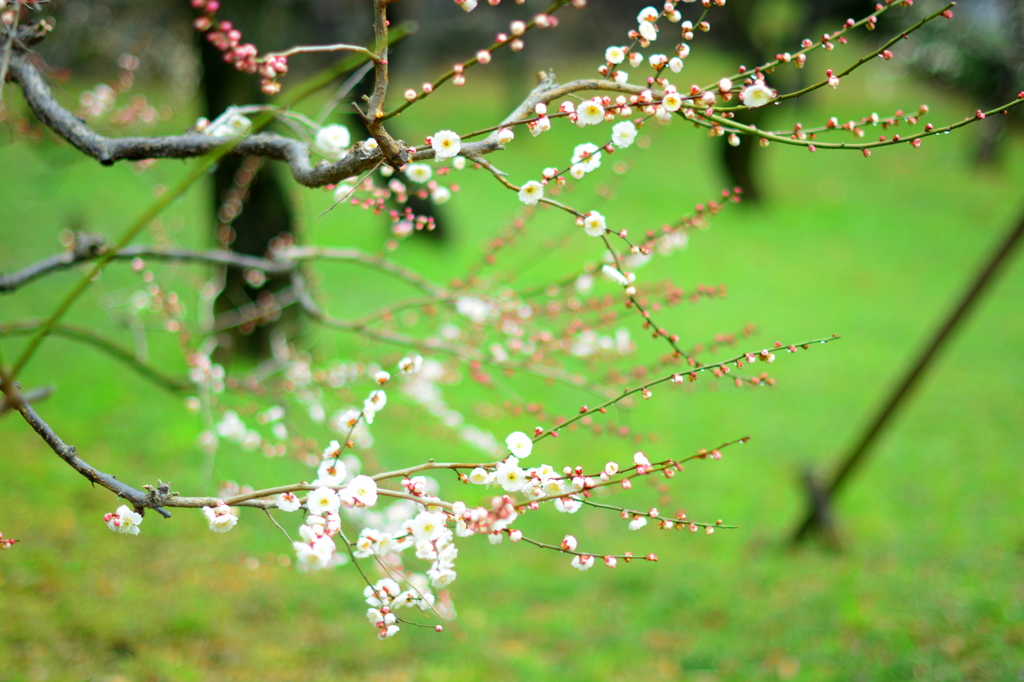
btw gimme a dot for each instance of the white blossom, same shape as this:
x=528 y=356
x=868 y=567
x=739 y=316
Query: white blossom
x=594 y=224
x=220 y=518
x=440 y=195
x=333 y=140
x=312 y=557
x=410 y=365
x=287 y=502
x=757 y=95
x=623 y=134
x=531 y=192
x=519 y=444
x=363 y=490
x=124 y=520
x=582 y=562
x=638 y=522
x=592 y=156
x=590 y=112
x=446 y=144
x=510 y=475
x=418 y=172
x=614 y=55
x=322 y=500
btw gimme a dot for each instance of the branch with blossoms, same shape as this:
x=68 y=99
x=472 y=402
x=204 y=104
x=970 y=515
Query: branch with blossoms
x=399 y=522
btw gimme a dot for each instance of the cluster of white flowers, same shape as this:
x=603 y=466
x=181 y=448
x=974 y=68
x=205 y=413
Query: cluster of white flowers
x=535 y=483
x=124 y=520
x=316 y=549
x=386 y=595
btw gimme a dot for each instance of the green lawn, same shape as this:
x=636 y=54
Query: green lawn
x=928 y=585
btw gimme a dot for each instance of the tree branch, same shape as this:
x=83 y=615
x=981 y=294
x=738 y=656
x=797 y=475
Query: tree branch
x=141 y=499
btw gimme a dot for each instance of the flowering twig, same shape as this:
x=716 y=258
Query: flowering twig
x=677 y=377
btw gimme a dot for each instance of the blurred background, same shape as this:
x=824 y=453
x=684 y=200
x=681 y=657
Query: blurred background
x=923 y=576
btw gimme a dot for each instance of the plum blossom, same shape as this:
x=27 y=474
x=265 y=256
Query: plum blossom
x=531 y=193
x=647 y=14
x=568 y=505
x=510 y=475
x=582 y=561
x=428 y=526
x=440 y=195
x=672 y=101
x=594 y=224
x=480 y=476
x=287 y=502
x=313 y=556
x=614 y=55
x=638 y=522
x=375 y=402
x=331 y=472
x=757 y=95
x=541 y=125
x=332 y=450
x=363 y=490
x=446 y=144
x=623 y=134
x=322 y=500
x=586 y=156
x=124 y=520
x=410 y=365
x=220 y=518
x=590 y=112
x=333 y=140
x=418 y=172
x=519 y=444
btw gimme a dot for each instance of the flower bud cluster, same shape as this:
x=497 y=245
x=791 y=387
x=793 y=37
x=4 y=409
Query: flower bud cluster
x=243 y=56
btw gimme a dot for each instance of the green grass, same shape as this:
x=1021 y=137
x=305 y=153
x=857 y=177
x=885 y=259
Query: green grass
x=876 y=250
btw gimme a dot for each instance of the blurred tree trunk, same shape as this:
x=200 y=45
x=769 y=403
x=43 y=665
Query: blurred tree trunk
x=265 y=210
x=740 y=161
